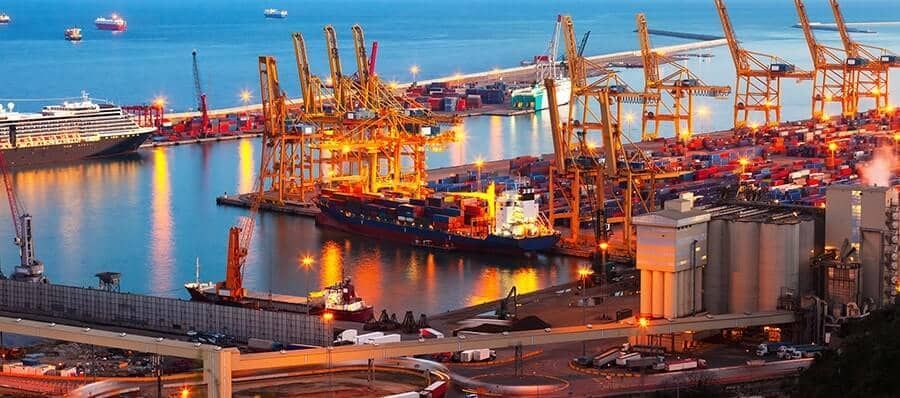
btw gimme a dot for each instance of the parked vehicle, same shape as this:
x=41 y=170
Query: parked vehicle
x=770 y=348
x=605 y=358
x=623 y=358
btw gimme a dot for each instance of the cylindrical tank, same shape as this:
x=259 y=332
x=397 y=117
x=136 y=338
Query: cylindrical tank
x=715 y=280
x=744 y=274
x=658 y=290
x=806 y=251
x=771 y=265
x=646 y=293
x=669 y=304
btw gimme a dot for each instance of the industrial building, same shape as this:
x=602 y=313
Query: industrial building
x=868 y=220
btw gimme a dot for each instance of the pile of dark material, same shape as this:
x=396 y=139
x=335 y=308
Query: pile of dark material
x=530 y=322
x=386 y=323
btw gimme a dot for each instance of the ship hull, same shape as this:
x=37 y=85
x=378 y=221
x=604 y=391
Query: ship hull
x=432 y=238
x=111 y=27
x=258 y=301
x=42 y=155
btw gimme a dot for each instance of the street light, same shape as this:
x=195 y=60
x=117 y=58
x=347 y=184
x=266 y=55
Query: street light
x=643 y=322
x=833 y=147
x=583 y=273
x=185 y=392
x=159 y=102
x=414 y=70
x=245 y=98
x=629 y=118
x=743 y=162
x=307 y=262
x=479 y=163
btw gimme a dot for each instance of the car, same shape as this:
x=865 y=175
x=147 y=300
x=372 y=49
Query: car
x=584 y=362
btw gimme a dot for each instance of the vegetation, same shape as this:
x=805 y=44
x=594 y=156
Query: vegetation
x=867 y=364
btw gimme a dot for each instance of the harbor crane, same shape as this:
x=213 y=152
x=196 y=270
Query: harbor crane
x=676 y=90
x=873 y=65
x=758 y=87
x=239 y=236
x=350 y=130
x=596 y=171
x=205 y=124
x=835 y=80
x=30 y=269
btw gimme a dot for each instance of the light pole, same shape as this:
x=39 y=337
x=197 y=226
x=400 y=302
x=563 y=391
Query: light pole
x=583 y=273
x=629 y=117
x=307 y=262
x=833 y=147
x=743 y=162
x=414 y=70
x=479 y=163
x=328 y=317
x=245 y=98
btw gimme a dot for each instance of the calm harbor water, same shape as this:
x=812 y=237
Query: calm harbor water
x=152 y=214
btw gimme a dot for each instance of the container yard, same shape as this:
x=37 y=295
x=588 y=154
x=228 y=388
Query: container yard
x=711 y=260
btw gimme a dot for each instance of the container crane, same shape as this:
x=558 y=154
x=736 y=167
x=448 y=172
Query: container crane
x=582 y=169
x=30 y=269
x=835 y=80
x=205 y=125
x=675 y=90
x=873 y=64
x=758 y=87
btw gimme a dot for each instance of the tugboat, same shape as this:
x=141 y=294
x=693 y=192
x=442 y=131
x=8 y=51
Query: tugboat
x=114 y=23
x=73 y=34
x=339 y=299
x=275 y=13
x=4 y=19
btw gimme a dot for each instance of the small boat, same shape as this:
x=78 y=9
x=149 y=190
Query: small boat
x=73 y=34
x=4 y=18
x=275 y=13
x=113 y=23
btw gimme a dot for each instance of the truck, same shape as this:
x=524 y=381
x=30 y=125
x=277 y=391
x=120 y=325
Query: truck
x=429 y=333
x=362 y=338
x=605 y=358
x=388 y=338
x=623 y=358
x=348 y=335
x=437 y=389
x=800 y=351
x=479 y=355
x=639 y=363
x=770 y=348
x=682 y=364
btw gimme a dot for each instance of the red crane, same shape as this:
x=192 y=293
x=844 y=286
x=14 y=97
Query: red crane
x=29 y=269
x=205 y=125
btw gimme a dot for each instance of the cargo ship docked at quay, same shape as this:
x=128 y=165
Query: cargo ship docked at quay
x=339 y=299
x=509 y=223
x=68 y=132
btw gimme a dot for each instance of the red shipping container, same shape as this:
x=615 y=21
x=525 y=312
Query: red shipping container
x=461 y=104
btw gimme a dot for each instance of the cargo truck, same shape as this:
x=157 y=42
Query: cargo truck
x=388 y=338
x=605 y=358
x=770 y=348
x=623 y=358
x=681 y=364
x=639 y=363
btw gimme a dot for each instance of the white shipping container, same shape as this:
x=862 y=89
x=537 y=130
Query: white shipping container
x=622 y=360
x=7 y=367
x=361 y=339
x=388 y=338
x=465 y=356
x=348 y=335
x=483 y=354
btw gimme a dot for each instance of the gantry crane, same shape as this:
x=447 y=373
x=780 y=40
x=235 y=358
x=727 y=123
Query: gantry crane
x=758 y=87
x=873 y=65
x=357 y=133
x=584 y=170
x=676 y=90
x=835 y=80
x=205 y=125
x=30 y=269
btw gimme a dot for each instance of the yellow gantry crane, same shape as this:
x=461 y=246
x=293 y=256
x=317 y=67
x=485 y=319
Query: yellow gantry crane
x=872 y=64
x=585 y=169
x=835 y=80
x=675 y=90
x=758 y=87
x=356 y=133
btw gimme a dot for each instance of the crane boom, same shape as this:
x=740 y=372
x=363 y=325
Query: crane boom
x=737 y=52
x=30 y=269
x=650 y=61
x=338 y=85
x=871 y=64
x=205 y=125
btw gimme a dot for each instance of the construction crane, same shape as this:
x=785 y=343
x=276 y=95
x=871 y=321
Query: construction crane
x=30 y=269
x=873 y=65
x=205 y=125
x=676 y=91
x=239 y=236
x=758 y=87
x=835 y=80
x=587 y=169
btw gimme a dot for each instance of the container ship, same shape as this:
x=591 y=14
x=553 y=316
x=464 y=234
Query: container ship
x=535 y=96
x=114 y=23
x=67 y=132
x=4 y=18
x=73 y=34
x=339 y=299
x=275 y=13
x=469 y=221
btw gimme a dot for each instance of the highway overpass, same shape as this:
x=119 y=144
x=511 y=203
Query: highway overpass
x=219 y=363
